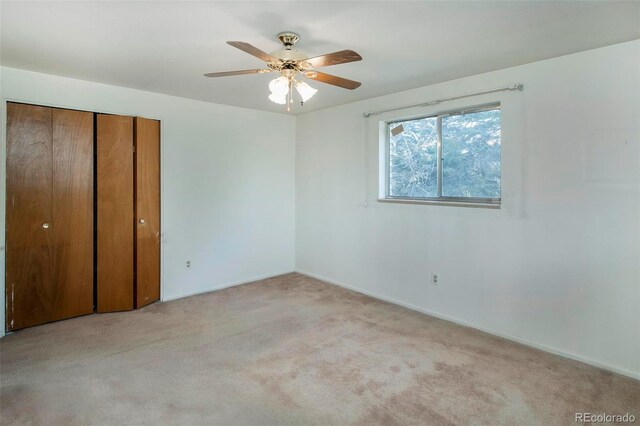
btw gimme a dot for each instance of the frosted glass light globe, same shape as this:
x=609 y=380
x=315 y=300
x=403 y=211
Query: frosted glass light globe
x=279 y=86
x=306 y=91
x=279 y=99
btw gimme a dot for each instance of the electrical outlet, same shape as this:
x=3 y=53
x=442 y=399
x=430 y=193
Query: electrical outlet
x=188 y=264
x=434 y=278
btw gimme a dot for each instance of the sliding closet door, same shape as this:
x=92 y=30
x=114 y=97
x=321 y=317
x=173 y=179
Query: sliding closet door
x=115 y=222
x=30 y=293
x=49 y=215
x=147 y=192
x=72 y=219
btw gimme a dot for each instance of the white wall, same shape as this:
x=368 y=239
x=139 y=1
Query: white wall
x=558 y=266
x=227 y=180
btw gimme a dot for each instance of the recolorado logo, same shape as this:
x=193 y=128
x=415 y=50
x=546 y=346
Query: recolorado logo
x=605 y=418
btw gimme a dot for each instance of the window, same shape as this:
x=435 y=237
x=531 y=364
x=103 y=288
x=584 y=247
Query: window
x=452 y=157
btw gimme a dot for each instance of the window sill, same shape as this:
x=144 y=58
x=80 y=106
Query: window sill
x=472 y=204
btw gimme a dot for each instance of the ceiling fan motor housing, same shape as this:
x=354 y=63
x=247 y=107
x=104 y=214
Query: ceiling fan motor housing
x=289 y=55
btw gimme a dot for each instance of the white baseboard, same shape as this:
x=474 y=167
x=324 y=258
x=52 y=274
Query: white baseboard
x=225 y=285
x=552 y=350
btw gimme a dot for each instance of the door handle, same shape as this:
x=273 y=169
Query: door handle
x=45 y=225
x=141 y=220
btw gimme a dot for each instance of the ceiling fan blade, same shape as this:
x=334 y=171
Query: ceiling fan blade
x=335 y=81
x=252 y=50
x=335 y=58
x=241 y=72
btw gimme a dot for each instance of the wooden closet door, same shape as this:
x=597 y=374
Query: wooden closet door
x=72 y=227
x=30 y=292
x=147 y=187
x=115 y=226
x=49 y=215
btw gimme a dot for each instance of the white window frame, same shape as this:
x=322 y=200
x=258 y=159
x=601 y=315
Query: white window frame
x=439 y=199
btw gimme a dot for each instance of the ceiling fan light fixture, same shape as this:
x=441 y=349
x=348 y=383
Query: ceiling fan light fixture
x=279 y=86
x=305 y=91
x=278 y=99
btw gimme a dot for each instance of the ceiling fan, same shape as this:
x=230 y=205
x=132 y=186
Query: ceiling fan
x=290 y=62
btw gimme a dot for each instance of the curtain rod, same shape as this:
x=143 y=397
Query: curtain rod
x=518 y=86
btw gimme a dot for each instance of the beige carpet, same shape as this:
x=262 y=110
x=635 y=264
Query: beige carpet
x=290 y=350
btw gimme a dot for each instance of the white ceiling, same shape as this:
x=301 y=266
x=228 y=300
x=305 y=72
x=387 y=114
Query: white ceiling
x=166 y=46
